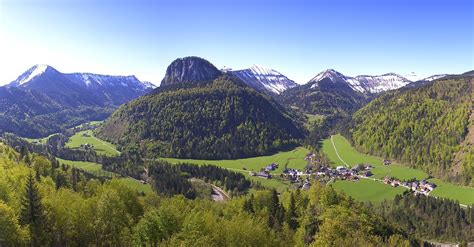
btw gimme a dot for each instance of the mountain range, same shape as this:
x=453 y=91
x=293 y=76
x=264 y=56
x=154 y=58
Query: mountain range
x=264 y=80
x=42 y=100
x=81 y=88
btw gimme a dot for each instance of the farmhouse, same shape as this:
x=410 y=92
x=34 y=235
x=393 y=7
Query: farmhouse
x=271 y=167
x=261 y=174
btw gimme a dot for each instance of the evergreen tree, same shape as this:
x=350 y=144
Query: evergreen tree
x=275 y=211
x=291 y=215
x=32 y=210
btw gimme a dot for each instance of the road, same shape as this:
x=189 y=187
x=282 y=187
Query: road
x=219 y=194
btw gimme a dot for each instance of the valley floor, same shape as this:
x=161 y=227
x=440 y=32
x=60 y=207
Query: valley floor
x=340 y=152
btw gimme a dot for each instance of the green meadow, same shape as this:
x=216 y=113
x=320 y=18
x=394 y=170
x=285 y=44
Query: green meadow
x=87 y=136
x=91 y=167
x=368 y=190
x=463 y=194
x=96 y=169
x=352 y=157
x=293 y=159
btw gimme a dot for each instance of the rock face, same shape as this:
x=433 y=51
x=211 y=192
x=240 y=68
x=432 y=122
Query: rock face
x=189 y=69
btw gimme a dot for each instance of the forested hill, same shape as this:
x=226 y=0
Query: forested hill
x=426 y=127
x=222 y=119
x=325 y=97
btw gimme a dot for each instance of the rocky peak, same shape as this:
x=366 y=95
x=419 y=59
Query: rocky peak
x=190 y=69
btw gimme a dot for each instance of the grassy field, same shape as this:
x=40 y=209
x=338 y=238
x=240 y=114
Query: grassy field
x=352 y=157
x=92 y=167
x=368 y=190
x=87 y=136
x=293 y=159
x=463 y=194
x=362 y=191
x=97 y=170
x=38 y=140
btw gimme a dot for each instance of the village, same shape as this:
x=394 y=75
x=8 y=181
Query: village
x=318 y=171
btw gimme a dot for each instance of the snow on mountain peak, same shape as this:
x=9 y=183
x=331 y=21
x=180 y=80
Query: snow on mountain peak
x=30 y=74
x=264 y=79
x=363 y=83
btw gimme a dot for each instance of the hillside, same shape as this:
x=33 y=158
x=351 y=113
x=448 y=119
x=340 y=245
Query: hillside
x=324 y=97
x=421 y=126
x=43 y=100
x=220 y=120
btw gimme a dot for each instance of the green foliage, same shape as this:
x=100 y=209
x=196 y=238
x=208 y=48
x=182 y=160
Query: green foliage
x=216 y=121
x=108 y=213
x=422 y=126
x=430 y=218
x=11 y=233
x=31 y=213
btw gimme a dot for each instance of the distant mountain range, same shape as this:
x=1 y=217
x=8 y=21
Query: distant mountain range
x=81 y=88
x=58 y=100
x=264 y=80
x=43 y=100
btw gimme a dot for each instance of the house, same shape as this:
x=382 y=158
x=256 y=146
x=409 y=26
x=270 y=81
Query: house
x=368 y=173
x=271 y=167
x=395 y=183
x=261 y=174
x=387 y=162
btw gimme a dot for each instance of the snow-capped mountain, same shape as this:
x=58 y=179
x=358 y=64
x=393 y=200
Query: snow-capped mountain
x=30 y=74
x=434 y=77
x=380 y=83
x=363 y=83
x=84 y=88
x=264 y=80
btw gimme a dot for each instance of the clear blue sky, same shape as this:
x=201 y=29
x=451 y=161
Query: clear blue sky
x=297 y=38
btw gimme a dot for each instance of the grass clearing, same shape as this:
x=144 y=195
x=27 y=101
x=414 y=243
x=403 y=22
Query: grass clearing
x=91 y=167
x=368 y=190
x=97 y=170
x=463 y=194
x=353 y=157
x=293 y=159
x=348 y=154
x=87 y=136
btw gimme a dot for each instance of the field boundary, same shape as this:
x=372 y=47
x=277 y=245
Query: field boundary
x=106 y=144
x=337 y=153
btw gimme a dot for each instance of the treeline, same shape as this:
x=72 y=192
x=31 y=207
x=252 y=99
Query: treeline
x=174 y=179
x=35 y=211
x=34 y=114
x=430 y=218
x=422 y=127
x=222 y=120
x=40 y=208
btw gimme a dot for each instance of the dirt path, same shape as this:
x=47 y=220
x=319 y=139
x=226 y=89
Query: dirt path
x=337 y=153
x=219 y=194
x=106 y=144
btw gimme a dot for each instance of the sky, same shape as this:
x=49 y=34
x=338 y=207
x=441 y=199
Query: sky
x=295 y=37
